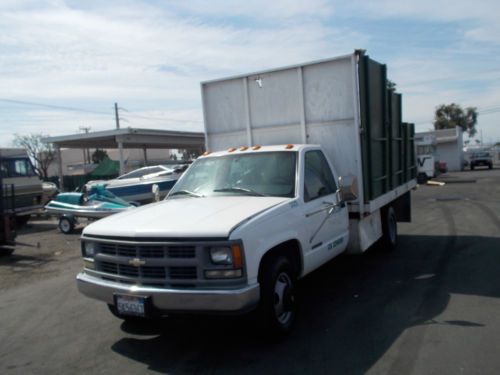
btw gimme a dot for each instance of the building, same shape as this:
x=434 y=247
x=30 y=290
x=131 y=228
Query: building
x=124 y=139
x=73 y=160
x=449 y=147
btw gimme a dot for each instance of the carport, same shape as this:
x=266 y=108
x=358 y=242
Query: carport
x=127 y=138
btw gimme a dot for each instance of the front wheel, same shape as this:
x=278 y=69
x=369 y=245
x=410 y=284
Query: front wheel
x=389 y=229
x=278 y=306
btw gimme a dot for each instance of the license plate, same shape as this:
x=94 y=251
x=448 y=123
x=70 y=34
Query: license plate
x=130 y=305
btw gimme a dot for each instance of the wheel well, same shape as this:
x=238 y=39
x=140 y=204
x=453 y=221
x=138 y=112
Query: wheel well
x=289 y=249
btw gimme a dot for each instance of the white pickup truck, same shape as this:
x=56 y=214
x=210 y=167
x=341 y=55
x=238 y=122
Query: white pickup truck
x=242 y=225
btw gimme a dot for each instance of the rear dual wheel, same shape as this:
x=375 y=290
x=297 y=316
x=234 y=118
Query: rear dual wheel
x=389 y=229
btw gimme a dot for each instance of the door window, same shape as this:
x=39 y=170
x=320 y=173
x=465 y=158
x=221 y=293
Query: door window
x=318 y=180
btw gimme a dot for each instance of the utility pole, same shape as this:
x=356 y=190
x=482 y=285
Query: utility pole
x=86 y=152
x=117 y=119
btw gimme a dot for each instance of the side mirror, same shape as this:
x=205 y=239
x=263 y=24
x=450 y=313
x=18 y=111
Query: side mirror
x=348 y=188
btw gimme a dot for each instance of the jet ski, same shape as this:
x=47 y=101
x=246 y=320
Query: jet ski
x=95 y=203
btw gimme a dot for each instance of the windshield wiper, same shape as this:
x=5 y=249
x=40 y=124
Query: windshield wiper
x=236 y=189
x=185 y=192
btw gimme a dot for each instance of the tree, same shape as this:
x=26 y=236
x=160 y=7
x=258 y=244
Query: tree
x=450 y=115
x=391 y=85
x=42 y=154
x=99 y=155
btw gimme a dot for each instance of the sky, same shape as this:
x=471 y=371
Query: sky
x=64 y=63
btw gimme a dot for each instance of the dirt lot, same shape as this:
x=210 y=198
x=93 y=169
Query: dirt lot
x=42 y=252
x=431 y=307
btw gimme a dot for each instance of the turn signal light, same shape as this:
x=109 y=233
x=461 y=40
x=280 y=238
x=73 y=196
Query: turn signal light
x=244 y=148
x=256 y=147
x=237 y=261
x=232 y=149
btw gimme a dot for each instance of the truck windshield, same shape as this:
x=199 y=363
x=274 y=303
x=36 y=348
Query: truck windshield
x=257 y=174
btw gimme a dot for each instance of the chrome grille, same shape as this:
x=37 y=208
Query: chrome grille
x=147 y=251
x=130 y=271
x=151 y=252
x=153 y=272
x=183 y=273
x=151 y=263
x=181 y=252
x=126 y=250
x=162 y=264
x=108 y=267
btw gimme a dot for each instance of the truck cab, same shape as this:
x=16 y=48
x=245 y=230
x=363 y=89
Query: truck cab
x=426 y=156
x=26 y=195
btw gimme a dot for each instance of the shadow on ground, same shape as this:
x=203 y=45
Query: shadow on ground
x=352 y=310
x=25 y=262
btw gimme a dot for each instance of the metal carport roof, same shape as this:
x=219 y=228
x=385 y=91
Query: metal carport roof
x=128 y=138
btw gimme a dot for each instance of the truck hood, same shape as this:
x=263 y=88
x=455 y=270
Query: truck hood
x=183 y=217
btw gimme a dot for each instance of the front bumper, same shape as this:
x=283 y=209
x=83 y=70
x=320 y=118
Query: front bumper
x=174 y=300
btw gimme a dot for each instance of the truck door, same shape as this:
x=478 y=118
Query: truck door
x=326 y=220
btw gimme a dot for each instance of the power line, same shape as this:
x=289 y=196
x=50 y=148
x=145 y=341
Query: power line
x=74 y=109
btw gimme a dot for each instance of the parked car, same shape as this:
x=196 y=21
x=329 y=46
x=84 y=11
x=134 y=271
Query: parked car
x=441 y=167
x=481 y=159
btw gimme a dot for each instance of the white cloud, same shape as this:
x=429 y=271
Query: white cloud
x=259 y=9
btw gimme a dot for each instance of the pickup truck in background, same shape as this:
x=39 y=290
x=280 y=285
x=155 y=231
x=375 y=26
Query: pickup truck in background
x=316 y=161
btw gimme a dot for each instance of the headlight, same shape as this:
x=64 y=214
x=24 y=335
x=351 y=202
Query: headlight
x=89 y=249
x=221 y=255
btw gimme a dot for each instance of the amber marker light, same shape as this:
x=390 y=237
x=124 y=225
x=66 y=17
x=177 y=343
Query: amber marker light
x=288 y=146
x=244 y=148
x=206 y=153
x=232 y=149
x=237 y=261
x=256 y=147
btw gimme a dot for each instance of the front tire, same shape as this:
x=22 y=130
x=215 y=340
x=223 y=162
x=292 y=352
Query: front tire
x=278 y=306
x=389 y=229
x=21 y=221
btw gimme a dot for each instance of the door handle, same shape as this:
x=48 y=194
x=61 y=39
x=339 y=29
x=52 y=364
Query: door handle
x=328 y=206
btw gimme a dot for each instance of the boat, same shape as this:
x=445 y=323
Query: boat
x=95 y=203
x=137 y=186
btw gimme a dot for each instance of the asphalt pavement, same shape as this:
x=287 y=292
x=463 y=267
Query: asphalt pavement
x=430 y=307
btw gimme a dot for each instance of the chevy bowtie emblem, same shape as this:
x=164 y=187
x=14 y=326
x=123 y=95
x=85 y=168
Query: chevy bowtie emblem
x=136 y=262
